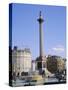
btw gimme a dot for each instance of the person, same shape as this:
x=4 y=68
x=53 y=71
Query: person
x=43 y=73
x=14 y=76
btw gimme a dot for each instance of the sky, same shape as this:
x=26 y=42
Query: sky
x=25 y=28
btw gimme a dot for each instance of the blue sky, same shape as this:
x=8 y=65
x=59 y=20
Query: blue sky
x=25 y=28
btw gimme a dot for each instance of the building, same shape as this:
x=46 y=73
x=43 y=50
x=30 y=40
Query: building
x=64 y=63
x=33 y=65
x=21 y=61
x=55 y=63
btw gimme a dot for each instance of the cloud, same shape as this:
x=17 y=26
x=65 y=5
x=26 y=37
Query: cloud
x=58 y=49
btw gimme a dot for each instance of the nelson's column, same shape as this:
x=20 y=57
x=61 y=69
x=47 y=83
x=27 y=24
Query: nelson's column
x=41 y=59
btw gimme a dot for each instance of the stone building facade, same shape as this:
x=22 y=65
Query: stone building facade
x=21 y=61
